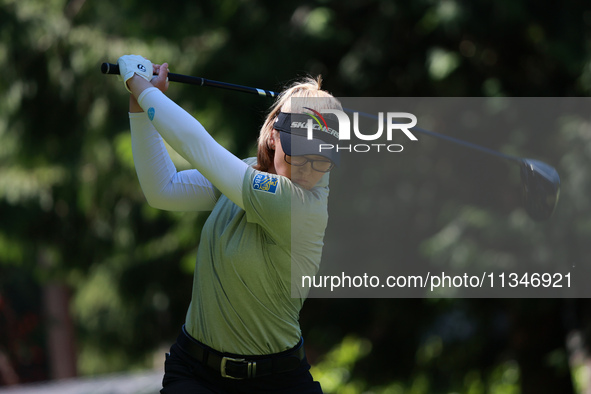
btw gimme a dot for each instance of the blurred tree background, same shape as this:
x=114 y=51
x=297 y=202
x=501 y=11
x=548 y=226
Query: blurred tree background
x=87 y=268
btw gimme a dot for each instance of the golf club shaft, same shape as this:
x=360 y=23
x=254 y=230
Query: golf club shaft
x=450 y=139
x=109 y=68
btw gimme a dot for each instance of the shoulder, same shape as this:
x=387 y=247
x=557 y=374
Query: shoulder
x=251 y=161
x=277 y=196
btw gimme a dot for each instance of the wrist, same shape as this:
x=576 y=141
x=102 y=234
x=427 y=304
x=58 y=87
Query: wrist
x=137 y=85
x=134 y=106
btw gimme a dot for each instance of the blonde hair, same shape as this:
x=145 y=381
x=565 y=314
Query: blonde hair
x=306 y=88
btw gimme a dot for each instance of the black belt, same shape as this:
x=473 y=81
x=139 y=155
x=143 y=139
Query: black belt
x=241 y=367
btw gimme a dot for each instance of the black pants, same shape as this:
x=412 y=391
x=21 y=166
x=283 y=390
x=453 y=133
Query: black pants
x=184 y=374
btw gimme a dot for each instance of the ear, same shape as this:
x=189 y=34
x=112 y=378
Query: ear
x=273 y=139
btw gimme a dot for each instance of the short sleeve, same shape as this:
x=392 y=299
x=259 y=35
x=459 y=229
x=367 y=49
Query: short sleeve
x=275 y=203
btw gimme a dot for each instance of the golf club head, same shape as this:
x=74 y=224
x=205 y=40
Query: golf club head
x=541 y=188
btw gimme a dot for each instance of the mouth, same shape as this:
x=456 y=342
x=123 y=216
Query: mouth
x=300 y=181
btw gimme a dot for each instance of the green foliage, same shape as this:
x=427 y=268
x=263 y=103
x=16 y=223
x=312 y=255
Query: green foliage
x=334 y=371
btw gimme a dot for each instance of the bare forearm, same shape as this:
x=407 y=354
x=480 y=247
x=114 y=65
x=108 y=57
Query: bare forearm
x=137 y=85
x=134 y=107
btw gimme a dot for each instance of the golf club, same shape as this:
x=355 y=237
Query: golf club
x=110 y=68
x=541 y=182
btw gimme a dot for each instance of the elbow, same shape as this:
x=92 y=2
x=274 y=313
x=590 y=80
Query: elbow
x=155 y=197
x=157 y=202
x=153 y=203
x=163 y=206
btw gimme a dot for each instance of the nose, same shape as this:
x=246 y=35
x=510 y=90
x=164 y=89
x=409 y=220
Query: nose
x=307 y=168
x=303 y=171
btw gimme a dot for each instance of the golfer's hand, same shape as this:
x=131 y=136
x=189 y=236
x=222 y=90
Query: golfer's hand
x=160 y=79
x=131 y=65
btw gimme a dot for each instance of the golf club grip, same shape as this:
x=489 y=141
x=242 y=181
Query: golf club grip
x=110 y=68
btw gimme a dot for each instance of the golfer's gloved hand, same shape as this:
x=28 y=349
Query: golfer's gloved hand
x=134 y=64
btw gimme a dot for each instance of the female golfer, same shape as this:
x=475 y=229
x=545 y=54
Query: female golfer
x=269 y=214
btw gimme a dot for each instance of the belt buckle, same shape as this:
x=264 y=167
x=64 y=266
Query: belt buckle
x=251 y=372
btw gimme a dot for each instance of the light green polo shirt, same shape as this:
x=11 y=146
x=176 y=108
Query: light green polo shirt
x=242 y=301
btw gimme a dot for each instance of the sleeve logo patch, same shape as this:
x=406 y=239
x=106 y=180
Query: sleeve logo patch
x=151 y=113
x=265 y=183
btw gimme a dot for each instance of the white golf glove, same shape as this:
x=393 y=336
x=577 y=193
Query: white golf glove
x=134 y=64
